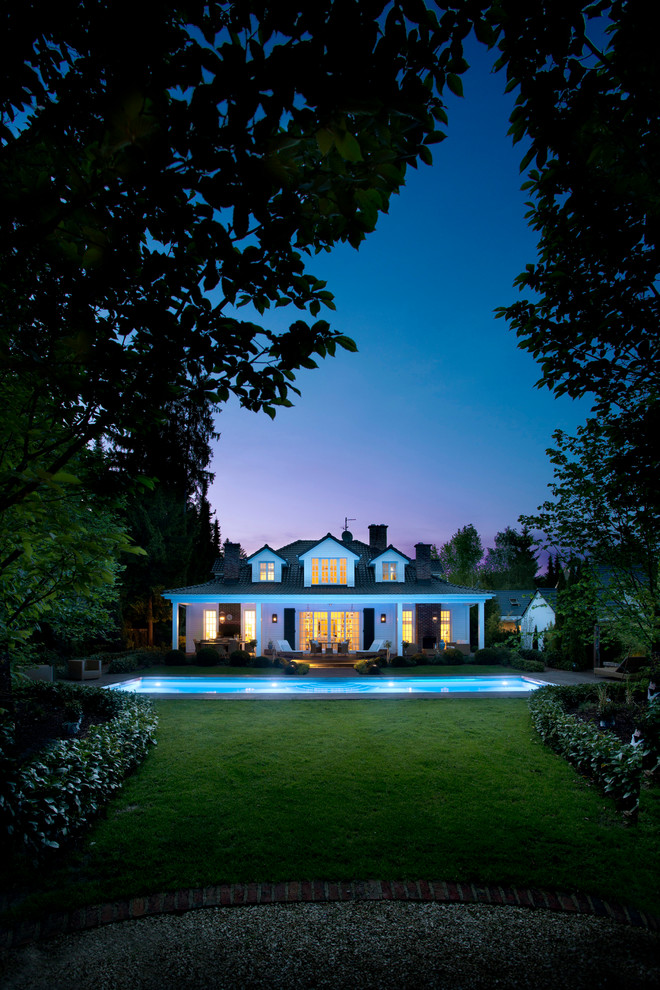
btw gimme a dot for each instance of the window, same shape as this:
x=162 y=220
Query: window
x=407 y=626
x=249 y=624
x=329 y=570
x=389 y=572
x=210 y=624
x=335 y=627
x=267 y=570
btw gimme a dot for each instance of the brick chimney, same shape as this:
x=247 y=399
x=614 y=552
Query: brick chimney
x=232 y=561
x=423 y=561
x=378 y=537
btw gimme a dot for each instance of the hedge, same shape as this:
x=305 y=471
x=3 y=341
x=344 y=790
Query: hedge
x=58 y=791
x=615 y=766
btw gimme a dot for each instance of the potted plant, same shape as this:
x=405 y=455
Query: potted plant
x=72 y=718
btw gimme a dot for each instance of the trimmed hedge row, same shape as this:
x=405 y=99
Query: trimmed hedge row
x=615 y=766
x=55 y=794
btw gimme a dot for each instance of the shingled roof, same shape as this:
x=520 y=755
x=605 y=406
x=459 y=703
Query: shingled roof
x=293 y=576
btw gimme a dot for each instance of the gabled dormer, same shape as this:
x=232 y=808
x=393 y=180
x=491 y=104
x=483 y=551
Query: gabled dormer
x=267 y=566
x=329 y=563
x=389 y=566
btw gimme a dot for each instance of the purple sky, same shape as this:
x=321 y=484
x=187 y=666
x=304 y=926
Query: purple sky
x=435 y=423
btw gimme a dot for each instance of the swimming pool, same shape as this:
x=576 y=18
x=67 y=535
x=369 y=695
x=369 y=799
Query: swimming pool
x=306 y=687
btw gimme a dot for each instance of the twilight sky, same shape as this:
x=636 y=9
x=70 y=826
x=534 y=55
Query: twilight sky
x=435 y=422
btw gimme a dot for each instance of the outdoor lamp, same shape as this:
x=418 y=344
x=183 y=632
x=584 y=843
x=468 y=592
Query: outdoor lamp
x=274 y=619
x=383 y=617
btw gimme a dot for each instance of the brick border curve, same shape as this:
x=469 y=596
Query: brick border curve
x=318 y=892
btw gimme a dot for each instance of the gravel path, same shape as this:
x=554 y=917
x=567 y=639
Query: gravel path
x=357 y=945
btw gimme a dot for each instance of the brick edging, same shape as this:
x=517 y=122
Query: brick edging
x=319 y=892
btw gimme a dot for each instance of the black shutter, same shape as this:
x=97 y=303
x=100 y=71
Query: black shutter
x=368 y=620
x=290 y=627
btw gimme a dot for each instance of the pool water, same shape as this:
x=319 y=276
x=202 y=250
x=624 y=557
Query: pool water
x=292 y=686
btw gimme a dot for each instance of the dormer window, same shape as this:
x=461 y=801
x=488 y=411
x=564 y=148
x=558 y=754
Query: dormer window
x=329 y=570
x=389 y=571
x=267 y=570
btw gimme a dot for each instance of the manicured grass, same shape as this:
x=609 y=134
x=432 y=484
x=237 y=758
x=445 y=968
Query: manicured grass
x=275 y=790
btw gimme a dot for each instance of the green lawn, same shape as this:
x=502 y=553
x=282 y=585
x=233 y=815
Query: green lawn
x=462 y=670
x=275 y=790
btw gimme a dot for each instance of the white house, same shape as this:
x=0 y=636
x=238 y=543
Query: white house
x=539 y=615
x=334 y=591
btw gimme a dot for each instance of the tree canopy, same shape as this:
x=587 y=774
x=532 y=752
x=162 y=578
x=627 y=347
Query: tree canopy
x=155 y=180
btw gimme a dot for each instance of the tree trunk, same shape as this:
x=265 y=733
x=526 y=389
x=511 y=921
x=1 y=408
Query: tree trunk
x=150 y=621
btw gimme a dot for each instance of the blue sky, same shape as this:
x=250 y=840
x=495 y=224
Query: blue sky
x=435 y=422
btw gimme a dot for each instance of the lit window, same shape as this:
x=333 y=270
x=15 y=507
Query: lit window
x=389 y=572
x=329 y=570
x=267 y=571
x=210 y=624
x=249 y=624
x=407 y=626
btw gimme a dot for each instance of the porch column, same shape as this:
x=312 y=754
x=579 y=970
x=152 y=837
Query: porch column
x=482 y=626
x=257 y=608
x=175 y=625
x=399 y=628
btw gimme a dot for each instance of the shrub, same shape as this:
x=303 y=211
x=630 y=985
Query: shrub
x=532 y=655
x=530 y=666
x=295 y=667
x=51 y=797
x=239 y=658
x=453 y=656
x=367 y=667
x=403 y=662
x=487 y=656
x=175 y=658
x=420 y=658
x=615 y=766
x=262 y=662
x=207 y=657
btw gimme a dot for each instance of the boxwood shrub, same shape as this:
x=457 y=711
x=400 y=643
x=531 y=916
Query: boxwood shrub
x=615 y=766
x=239 y=658
x=51 y=797
x=175 y=658
x=262 y=662
x=207 y=657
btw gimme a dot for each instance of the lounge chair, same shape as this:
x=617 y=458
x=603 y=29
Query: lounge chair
x=84 y=669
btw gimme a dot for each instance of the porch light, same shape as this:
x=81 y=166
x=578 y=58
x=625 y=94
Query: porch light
x=274 y=618
x=222 y=616
x=383 y=617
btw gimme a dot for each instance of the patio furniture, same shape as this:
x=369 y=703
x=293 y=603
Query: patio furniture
x=84 y=669
x=314 y=646
x=342 y=647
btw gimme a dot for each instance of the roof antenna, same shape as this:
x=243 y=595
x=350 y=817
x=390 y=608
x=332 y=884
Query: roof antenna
x=346 y=522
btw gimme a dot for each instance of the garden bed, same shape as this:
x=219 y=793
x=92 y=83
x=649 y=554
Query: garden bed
x=51 y=787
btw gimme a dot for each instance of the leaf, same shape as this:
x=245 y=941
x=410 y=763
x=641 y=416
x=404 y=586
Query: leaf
x=455 y=83
x=325 y=140
x=348 y=147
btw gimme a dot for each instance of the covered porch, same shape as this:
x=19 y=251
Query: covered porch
x=330 y=627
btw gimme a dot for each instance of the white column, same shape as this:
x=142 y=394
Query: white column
x=482 y=626
x=259 y=651
x=399 y=628
x=175 y=625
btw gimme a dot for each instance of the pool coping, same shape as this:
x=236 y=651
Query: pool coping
x=337 y=694
x=228 y=895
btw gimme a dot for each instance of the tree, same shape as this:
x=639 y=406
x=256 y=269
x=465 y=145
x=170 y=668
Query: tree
x=588 y=83
x=604 y=518
x=461 y=555
x=155 y=180
x=511 y=563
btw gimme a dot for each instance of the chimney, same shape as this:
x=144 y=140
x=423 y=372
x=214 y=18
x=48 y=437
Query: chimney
x=378 y=537
x=232 y=561
x=423 y=561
